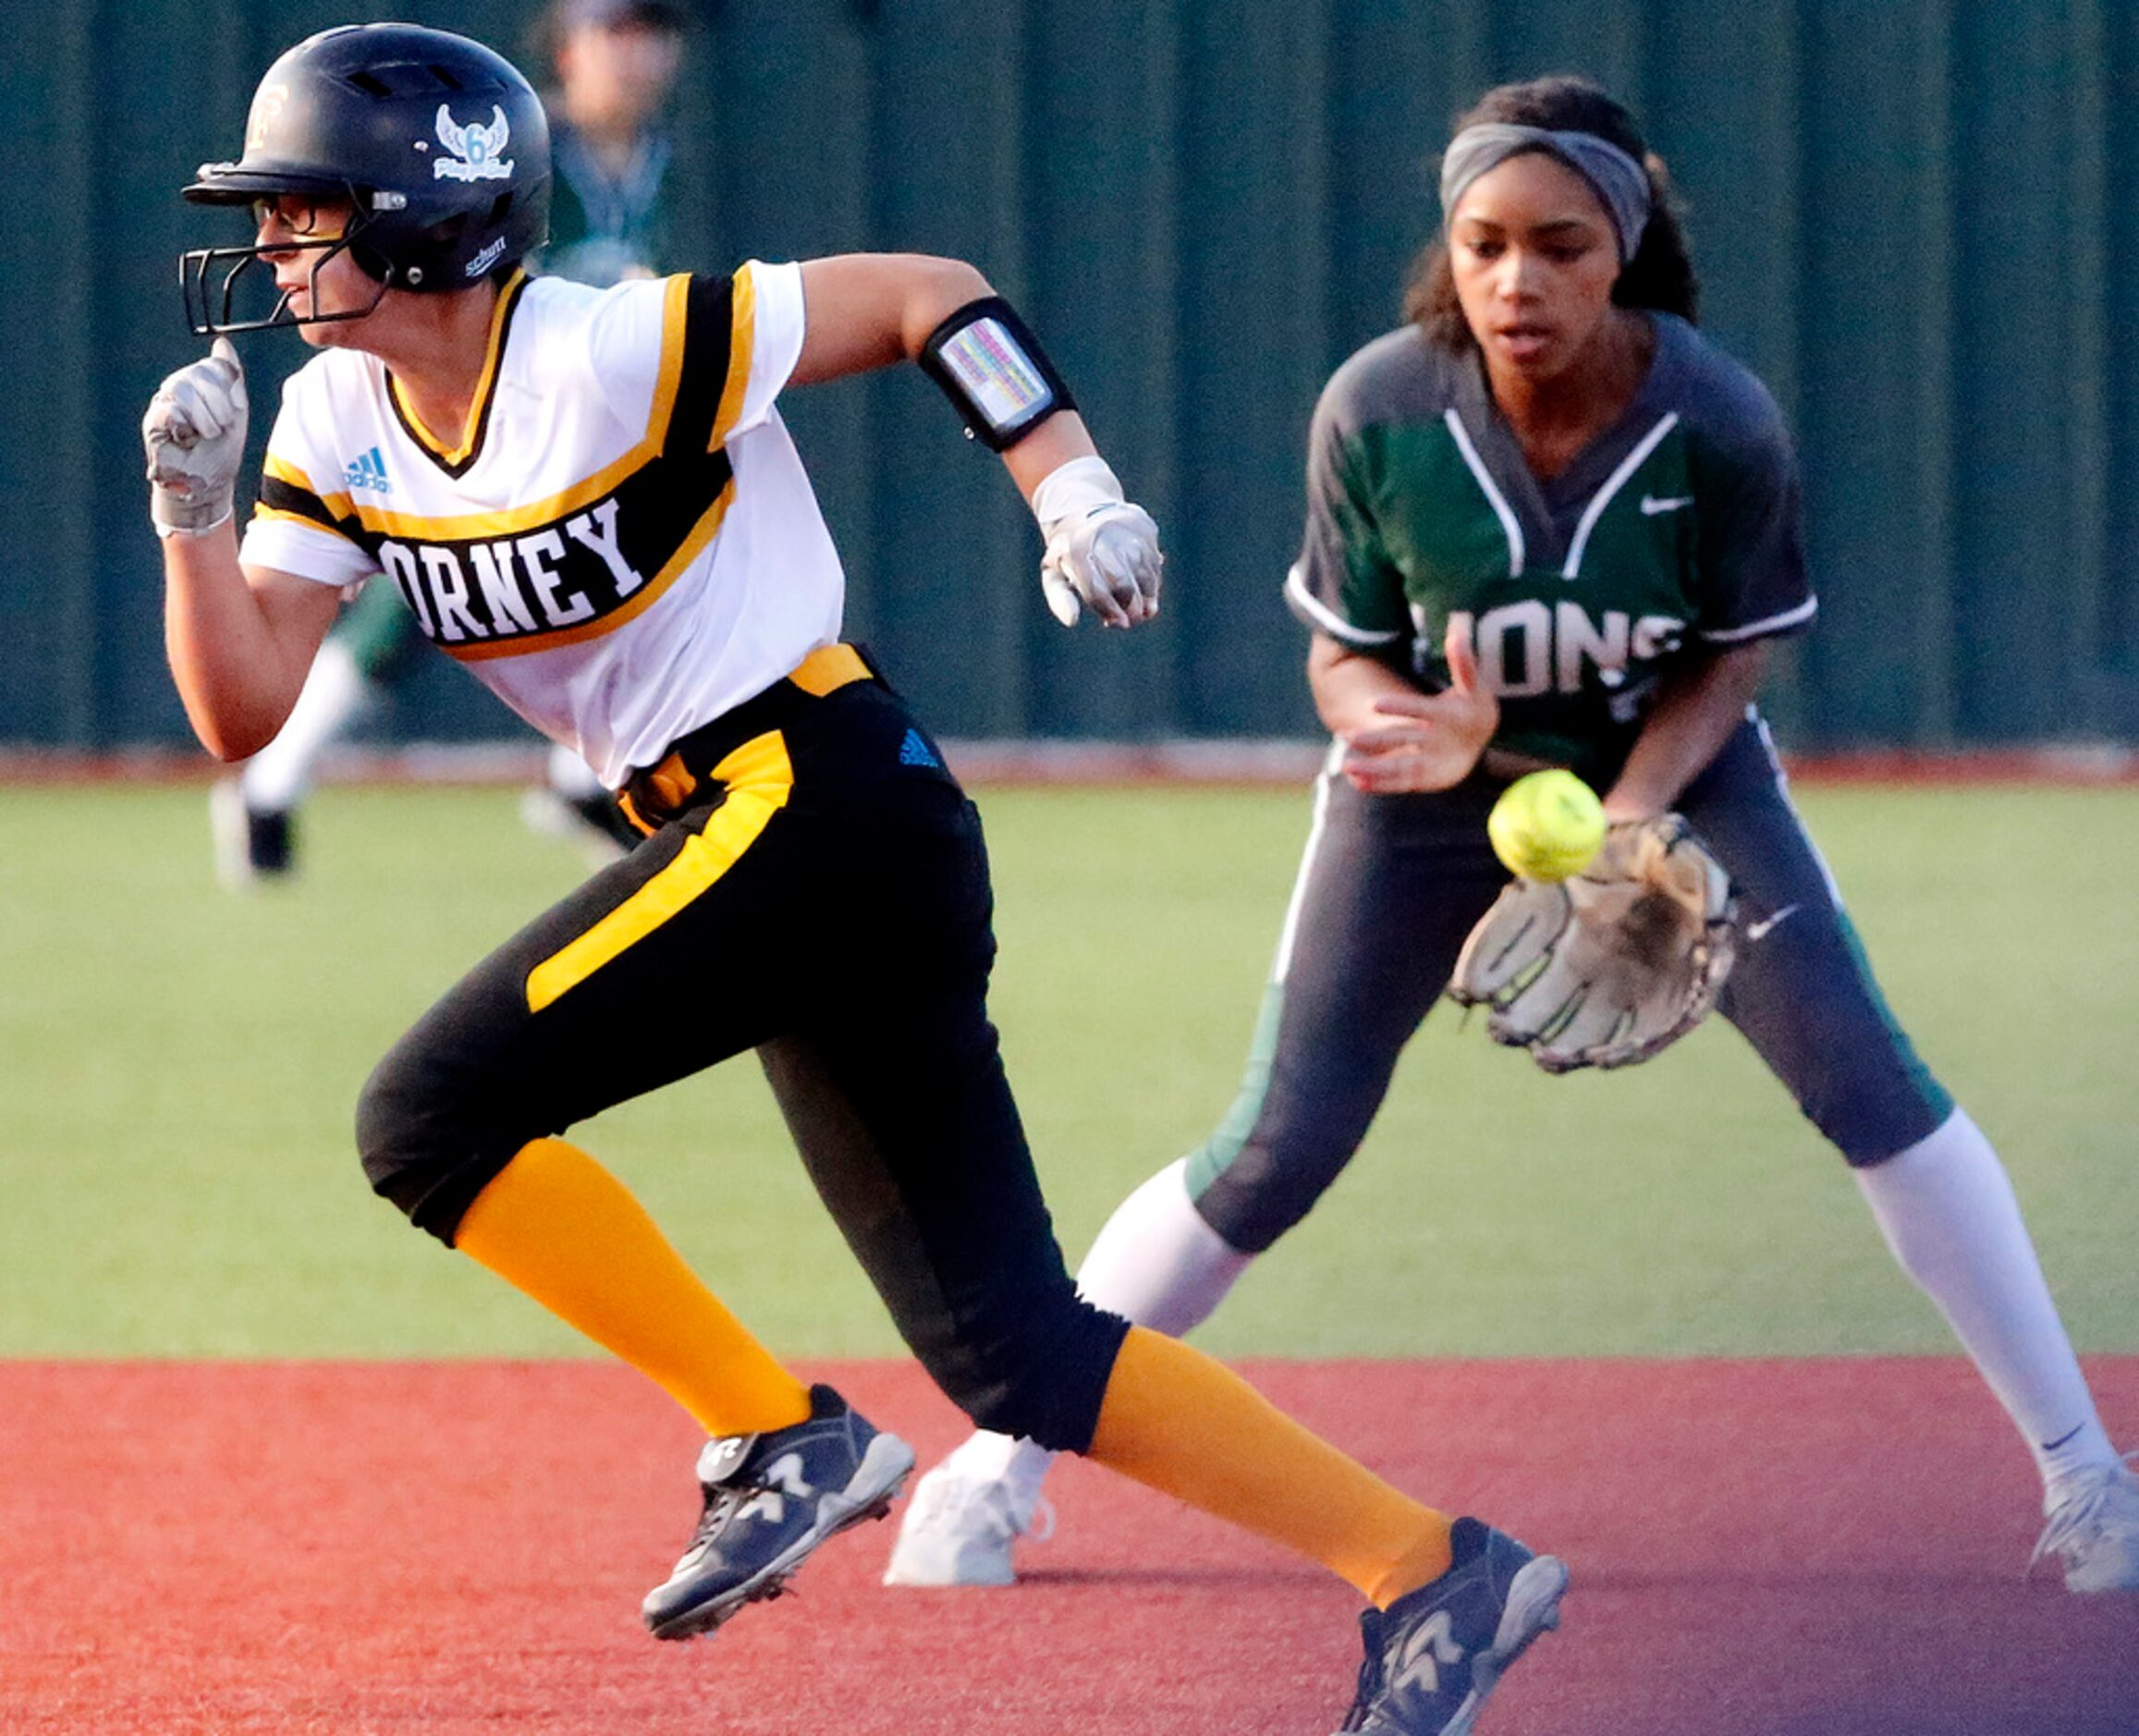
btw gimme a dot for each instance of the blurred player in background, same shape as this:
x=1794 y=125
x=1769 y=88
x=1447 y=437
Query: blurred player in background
x=614 y=63
x=1549 y=523
x=597 y=507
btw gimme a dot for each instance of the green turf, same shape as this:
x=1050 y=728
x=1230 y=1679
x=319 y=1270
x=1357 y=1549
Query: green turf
x=176 y=1069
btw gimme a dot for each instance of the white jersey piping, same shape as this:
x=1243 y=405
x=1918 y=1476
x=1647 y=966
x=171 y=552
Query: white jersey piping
x=1613 y=484
x=1773 y=624
x=1326 y=619
x=1282 y=965
x=1492 y=489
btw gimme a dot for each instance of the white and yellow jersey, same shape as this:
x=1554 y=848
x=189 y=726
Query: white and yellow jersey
x=622 y=543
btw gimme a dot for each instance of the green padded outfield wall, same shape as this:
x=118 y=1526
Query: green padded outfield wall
x=1916 y=219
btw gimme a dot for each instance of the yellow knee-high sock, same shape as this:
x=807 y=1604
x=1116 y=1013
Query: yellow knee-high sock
x=555 y=1225
x=1177 y=1420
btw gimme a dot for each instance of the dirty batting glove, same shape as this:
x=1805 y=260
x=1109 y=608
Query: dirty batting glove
x=1102 y=551
x=195 y=435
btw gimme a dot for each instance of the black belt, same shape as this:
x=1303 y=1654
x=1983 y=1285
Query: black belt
x=656 y=794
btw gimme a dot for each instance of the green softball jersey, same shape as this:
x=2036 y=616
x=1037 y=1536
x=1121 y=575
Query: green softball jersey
x=1679 y=526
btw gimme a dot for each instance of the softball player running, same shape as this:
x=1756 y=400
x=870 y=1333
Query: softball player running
x=1548 y=523
x=595 y=507
x=611 y=193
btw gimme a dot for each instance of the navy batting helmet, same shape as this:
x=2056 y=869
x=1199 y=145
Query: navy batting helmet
x=439 y=145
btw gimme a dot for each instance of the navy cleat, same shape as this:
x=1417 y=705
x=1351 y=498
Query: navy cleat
x=1434 y=1655
x=770 y=1501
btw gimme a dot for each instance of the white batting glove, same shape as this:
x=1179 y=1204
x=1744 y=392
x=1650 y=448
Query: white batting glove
x=1102 y=551
x=195 y=436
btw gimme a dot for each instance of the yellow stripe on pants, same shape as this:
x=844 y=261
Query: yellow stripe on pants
x=758 y=778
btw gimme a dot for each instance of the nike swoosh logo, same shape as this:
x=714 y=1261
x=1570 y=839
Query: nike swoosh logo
x=1758 y=931
x=1654 y=504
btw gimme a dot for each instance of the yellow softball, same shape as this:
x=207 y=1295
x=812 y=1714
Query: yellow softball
x=1547 y=827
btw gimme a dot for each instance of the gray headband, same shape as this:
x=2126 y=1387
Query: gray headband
x=1621 y=182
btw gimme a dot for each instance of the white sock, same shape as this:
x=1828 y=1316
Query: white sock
x=1949 y=1212
x=334 y=692
x=1157 y=1262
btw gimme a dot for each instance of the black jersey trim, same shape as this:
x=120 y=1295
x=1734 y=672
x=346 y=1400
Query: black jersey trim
x=286 y=494
x=456 y=461
x=687 y=549
x=284 y=500
x=715 y=309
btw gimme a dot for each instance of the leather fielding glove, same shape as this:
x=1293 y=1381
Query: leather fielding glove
x=195 y=435
x=1102 y=550
x=1607 y=968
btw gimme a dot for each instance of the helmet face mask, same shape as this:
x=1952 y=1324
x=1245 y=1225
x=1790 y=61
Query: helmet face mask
x=437 y=145
x=214 y=281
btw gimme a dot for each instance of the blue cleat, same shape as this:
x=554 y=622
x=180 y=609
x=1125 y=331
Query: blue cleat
x=1434 y=1655
x=770 y=1501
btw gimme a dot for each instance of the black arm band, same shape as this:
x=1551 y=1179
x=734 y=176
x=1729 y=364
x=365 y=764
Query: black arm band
x=993 y=369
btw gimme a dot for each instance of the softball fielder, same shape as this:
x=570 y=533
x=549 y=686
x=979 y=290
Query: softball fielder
x=595 y=507
x=1549 y=523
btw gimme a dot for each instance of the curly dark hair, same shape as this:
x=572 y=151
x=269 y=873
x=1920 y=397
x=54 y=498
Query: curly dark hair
x=1660 y=275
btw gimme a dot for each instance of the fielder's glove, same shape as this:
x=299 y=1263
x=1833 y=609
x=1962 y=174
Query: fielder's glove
x=1607 y=968
x=195 y=436
x=1102 y=551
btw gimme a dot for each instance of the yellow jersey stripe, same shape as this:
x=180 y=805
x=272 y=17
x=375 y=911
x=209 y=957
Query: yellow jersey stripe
x=466 y=526
x=341 y=505
x=471 y=428
x=743 y=328
x=482 y=651
x=675 y=299
x=283 y=471
x=827 y=669
x=261 y=512
x=759 y=778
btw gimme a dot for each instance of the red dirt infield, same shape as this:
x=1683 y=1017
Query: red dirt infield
x=1759 y=1548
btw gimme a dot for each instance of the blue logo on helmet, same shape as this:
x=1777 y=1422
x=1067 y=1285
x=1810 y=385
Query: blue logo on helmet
x=475 y=148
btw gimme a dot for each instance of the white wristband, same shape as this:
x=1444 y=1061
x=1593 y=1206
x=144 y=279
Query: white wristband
x=168 y=530
x=1075 y=487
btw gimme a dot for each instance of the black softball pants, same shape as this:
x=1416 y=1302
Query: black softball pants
x=816 y=887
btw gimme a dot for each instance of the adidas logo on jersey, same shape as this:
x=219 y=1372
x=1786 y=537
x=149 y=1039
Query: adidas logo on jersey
x=368 y=471
x=914 y=750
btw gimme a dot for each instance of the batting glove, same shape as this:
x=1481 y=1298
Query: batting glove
x=195 y=436
x=1103 y=551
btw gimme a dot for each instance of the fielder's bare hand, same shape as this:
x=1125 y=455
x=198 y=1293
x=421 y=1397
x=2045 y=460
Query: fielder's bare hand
x=1440 y=738
x=195 y=435
x=1103 y=550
